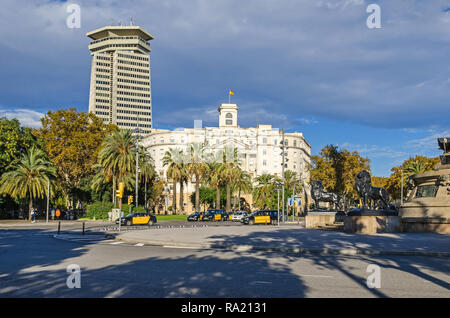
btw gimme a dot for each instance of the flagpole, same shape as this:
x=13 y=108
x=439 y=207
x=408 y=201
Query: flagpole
x=229 y=96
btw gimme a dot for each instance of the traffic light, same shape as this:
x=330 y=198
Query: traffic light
x=130 y=199
x=119 y=193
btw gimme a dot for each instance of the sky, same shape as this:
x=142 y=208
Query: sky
x=311 y=66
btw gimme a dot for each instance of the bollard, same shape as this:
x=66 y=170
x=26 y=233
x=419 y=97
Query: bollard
x=83 y=227
x=59 y=227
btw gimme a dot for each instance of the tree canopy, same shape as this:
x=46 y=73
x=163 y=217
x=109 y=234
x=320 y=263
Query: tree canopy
x=72 y=141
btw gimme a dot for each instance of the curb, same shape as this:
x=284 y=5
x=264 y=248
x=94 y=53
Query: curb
x=294 y=250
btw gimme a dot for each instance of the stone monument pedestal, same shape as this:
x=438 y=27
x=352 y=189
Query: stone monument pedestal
x=317 y=218
x=427 y=208
x=372 y=224
x=372 y=221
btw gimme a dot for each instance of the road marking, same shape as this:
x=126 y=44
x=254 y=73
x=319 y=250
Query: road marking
x=139 y=244
x=115 y=243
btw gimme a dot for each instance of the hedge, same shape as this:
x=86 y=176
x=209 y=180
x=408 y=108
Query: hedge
x=100 y=210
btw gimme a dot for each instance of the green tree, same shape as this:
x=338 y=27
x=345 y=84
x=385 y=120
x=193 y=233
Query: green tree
x=207 y=196
x=30 y=178
x=156 y=199
x=117 y=157
x=337 y=169
x=264 y=190
x=72 y=141
x=213 y=178
x=323 y=167
x=228 y=170
x=410 y=167
x=14 y=141
x=243 y=183
x=196 y=167
x=173 y=159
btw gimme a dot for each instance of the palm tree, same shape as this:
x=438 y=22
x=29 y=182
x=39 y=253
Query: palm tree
x=263 y=190
x=291 y=179
x=417 y=166
x=183 y=178
x=243 y=183
x=146 y=169
x=196 y=167
x=214 y=179
x=173 y=159
x=117 y=156
x=30 y=178
x=228 y=170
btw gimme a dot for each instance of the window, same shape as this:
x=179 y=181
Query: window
x=264 y=140
x=229 y=115
x=295 y=143
x=229 y=122
x=426 y=191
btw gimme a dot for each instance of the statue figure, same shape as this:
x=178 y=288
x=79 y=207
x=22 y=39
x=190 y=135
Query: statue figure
x=318 y=194
x=366 y=191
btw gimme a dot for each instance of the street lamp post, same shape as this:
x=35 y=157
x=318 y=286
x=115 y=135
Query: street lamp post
x=278 y=207
x=137 y=160
x=401 y=195
x=48 y=200
x=137 y=172
x=278 y=188
x=283 y=160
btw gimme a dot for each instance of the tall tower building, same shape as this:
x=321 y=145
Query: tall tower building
x=120 y=89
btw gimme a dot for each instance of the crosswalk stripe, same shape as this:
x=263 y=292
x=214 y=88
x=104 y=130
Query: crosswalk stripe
x=115 y=243
x=139 y=244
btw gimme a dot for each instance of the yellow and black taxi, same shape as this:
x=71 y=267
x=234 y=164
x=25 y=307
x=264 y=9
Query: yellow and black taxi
x=196 y=216
x=213 y=215
x=138 y=219
x=227 y=216
x=261 y=217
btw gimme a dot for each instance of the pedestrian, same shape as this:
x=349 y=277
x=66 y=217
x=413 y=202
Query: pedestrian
x=58 y=213
x=53 y=211
x=33 y=215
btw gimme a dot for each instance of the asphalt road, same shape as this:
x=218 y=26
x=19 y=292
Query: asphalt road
x=34 y=264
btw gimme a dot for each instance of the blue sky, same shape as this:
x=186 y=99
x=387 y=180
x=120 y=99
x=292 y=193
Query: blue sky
x=311 y=66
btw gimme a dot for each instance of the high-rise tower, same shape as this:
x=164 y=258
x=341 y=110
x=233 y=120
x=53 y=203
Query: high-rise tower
x=120 y=90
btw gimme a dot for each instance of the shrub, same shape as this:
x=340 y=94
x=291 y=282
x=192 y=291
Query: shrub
x=126 y=209
x=99 y=210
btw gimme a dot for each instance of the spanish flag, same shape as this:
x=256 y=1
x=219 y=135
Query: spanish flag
x=231 y=92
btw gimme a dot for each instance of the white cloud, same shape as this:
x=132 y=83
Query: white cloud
x=26 y=117
x=428 y=145
x=318 y=52
x=373 y=151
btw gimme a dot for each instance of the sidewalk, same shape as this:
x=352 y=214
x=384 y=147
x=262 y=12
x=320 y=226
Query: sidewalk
x=51 y=223
x=294 y=239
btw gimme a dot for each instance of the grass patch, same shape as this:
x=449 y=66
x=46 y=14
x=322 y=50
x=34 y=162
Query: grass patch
x=177 y=217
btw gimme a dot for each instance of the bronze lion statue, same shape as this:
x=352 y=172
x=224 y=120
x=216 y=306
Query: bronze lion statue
x=319 y=195
x=363 y=185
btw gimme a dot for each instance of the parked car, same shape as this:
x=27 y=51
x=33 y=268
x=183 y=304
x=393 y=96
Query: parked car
x=137 y=218
x=226 y=216
x=213 y=215
x=238 y=215
x=196 y=216
x=261 y=217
